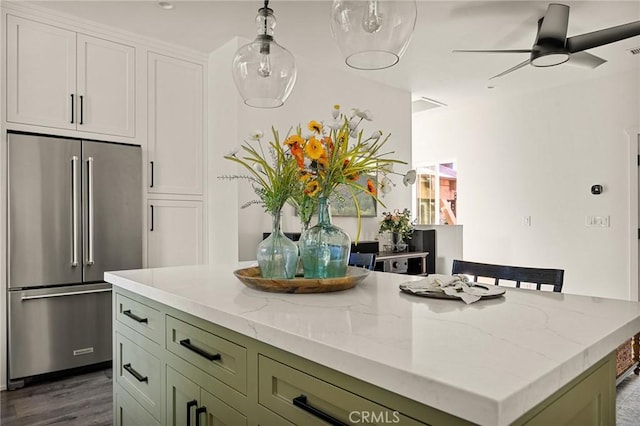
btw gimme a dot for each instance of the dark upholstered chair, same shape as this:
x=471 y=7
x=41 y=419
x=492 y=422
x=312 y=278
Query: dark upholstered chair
x=363 y=260
x=518 y=274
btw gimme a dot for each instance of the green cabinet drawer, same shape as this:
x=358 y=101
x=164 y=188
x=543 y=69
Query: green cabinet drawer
x=186 y=400
x=294 y=394
x=224 y=360
x=139 y=373
x=145 y=320
x=129 y=413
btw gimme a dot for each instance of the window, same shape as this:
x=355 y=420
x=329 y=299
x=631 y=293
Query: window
x=437 y=194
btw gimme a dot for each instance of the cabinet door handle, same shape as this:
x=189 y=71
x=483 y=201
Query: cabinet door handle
x=187 y=344
x=151 y=185
x=151 y=229
x=190 y=404
x=72 y=111
x=135 y=317
x=198 y=412
x=135 y=374
x=301 y=402
x=81 y=109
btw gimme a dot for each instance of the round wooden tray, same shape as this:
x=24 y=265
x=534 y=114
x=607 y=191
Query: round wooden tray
x=251 y=278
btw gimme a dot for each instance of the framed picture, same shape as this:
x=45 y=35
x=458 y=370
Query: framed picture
x=343 y=205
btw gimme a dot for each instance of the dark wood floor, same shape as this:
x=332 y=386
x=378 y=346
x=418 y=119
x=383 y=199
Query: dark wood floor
x=86 y=399
x=81 y=400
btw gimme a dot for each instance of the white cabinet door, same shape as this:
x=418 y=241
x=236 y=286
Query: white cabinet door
x=41 y=74
x=58 y=78
x=175 y=113
x=174 y=235
x=106 y=87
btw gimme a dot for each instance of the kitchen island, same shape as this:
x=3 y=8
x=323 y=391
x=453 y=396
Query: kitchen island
x=191 y=338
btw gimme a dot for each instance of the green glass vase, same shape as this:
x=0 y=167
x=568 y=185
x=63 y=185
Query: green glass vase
x=277 y=255
x=324 y=248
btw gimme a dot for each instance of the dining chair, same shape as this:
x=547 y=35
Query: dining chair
x=519 y=274
x=363 y=260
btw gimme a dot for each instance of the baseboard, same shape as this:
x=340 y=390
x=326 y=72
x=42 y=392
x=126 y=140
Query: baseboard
x=3 y=388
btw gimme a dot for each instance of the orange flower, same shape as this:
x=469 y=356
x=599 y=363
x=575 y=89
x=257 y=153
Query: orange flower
x=296 y=151
x=354 y=177
x=371 y=187
x=313 y=187
x=328 y=143
x=314 y=126
x=314 y=149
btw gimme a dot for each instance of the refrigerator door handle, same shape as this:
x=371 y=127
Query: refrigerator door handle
x=74 y=211
x=67 y=293
x=90 y=259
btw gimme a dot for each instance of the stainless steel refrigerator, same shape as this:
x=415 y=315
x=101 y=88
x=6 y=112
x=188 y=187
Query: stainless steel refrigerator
x=74 y=211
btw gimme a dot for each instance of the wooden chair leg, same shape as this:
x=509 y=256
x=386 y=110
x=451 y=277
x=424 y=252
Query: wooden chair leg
x=636 y=353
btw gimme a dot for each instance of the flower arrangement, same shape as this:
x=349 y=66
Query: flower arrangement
x=274 y=181
x=312 y=162
x=398 y=222
x=336 y=153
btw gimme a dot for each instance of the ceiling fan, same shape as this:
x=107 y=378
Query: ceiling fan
x=553 y=47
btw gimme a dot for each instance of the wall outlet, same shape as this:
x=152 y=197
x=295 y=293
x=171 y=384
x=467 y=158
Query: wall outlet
x=598 y=221
x=526 y=221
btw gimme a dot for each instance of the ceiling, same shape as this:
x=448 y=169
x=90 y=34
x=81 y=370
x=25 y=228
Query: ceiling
x=428 y=68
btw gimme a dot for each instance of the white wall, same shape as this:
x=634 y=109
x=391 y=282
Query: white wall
x=538 y=155
x=222 y=137
x=316 y=90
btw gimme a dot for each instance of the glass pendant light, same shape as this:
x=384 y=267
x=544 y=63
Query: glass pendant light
x=373 y=34
x=264 y=71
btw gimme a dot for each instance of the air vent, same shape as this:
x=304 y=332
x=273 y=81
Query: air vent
x=635 y=51
x=424 y=104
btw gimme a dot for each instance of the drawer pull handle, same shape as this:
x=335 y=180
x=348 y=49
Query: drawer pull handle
x=187 y=344
x=135 y=374
x=198 y=412
x=190 y=404
x=135 y=317
x=301 y=402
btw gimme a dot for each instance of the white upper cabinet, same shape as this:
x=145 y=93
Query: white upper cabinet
x=63 y=79
x=175 y=120
x=105 y=87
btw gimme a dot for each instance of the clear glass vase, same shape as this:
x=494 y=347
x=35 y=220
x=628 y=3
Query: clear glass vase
x=325 y=248
x=277 y=255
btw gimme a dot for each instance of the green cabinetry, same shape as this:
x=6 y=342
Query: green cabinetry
x=175 y=369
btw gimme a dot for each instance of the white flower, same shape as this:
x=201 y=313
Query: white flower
x=258 y=168
x=366 y=114
x=409 y=178
x=386 y=185
x=256 y=135
x=307 y=134
x=353 y=133
x=334 y=125
x=353 y=124
x=387 y=168
x=232 y=152
x=376 y=135
x=335 y=112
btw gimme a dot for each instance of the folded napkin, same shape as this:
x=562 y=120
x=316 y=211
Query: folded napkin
x=452 y=285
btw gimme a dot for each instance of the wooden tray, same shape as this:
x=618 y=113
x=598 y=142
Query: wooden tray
x=251 y=278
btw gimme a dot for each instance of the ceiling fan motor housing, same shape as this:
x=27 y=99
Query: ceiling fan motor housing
x=548 y=55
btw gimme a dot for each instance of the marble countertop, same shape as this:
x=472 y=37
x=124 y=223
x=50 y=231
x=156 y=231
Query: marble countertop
x=488 y=362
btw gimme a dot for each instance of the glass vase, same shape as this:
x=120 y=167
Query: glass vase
x=277 y=255
x=324 y=248
x=398 y=242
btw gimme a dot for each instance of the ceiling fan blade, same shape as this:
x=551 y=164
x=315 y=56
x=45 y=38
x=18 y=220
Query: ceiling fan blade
x=601 y=37
x=517 y=67
x=585 y=60
x=554 y=25
x=493 y=51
